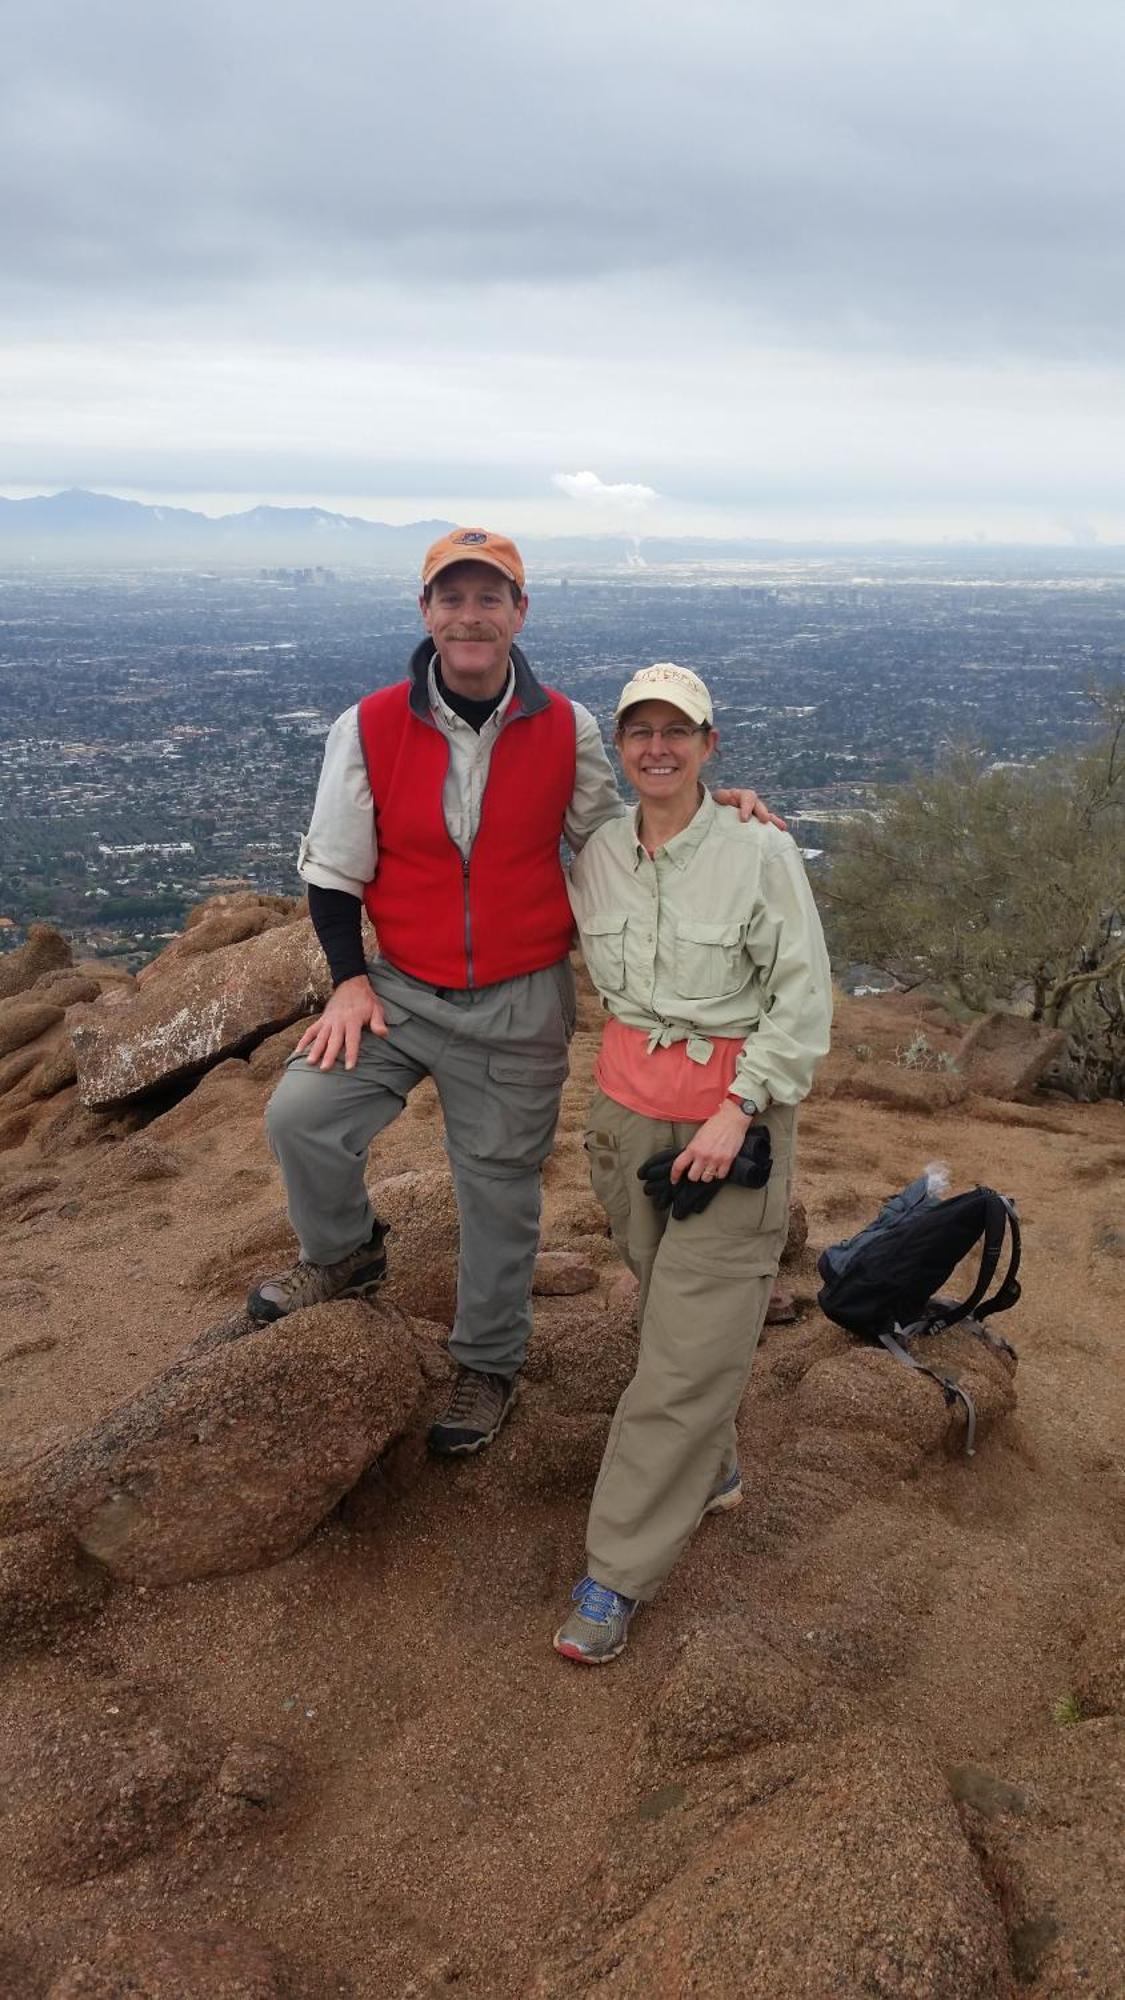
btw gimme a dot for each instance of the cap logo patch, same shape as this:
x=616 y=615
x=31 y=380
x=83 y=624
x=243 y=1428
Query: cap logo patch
x=470 y=538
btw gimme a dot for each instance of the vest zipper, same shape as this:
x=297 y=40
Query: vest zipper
x=468 y=923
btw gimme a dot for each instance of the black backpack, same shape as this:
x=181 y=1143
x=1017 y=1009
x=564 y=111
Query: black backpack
x=880 y=1285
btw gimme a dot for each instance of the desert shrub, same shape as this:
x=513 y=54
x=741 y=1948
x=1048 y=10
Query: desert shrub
x=1006 y=886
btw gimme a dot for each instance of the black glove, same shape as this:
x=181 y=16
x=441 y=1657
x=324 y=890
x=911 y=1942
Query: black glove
x=750 y=1168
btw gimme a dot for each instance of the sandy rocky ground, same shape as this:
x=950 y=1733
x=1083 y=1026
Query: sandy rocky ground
x=278 y=1707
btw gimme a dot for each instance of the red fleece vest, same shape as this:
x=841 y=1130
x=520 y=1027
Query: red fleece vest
x=506 y=910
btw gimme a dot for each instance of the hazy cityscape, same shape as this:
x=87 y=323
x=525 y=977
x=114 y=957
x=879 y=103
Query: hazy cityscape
x=160 y=731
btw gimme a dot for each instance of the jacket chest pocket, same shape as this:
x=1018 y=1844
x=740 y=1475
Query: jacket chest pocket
x=709 y=960
x=603 y=947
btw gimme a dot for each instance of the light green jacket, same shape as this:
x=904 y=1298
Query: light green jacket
x=718 y=936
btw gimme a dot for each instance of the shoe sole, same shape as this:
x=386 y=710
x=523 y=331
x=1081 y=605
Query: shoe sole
x=722 y=1503
x=364 y=1288
x=478 y=1444
x=582 y=1659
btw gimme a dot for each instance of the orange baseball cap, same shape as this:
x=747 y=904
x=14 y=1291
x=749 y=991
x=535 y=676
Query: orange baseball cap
x=474 y=545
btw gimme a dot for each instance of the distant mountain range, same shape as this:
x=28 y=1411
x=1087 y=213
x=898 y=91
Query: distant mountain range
x=79 y=527
x=77 y=522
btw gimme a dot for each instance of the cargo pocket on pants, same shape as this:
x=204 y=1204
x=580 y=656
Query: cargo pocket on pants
x=519 y=1108
x=607 y=1177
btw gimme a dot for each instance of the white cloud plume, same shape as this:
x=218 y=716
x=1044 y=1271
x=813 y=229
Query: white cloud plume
x=587 y=487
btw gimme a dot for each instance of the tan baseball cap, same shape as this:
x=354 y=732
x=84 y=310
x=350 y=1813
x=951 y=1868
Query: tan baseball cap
x=664 y=681
x=474 y=545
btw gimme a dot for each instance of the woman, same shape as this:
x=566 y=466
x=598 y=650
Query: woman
x=703 y=940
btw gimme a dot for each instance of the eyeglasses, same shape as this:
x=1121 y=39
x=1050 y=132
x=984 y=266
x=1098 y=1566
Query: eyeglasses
x=676 y=735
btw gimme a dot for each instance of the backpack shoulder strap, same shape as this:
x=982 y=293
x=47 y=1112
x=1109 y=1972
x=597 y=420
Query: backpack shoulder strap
x=951 y=1390
x=999 y=1215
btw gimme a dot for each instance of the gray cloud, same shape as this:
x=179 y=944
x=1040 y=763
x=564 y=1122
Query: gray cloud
x=946 y=176
x=765 y=255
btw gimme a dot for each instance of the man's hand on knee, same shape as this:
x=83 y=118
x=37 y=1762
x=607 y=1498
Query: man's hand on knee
x=353 y=1007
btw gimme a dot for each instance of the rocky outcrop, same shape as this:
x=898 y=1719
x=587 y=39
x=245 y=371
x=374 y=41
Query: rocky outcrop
x=45 y=1583
x=45 y=951
x=839 y=1869
x=195 y=1011
x=560 y=1273
x=23 y=1021
x=232 y=1458
x=1004 y=1055
x=221 y=1964
x=223 y=920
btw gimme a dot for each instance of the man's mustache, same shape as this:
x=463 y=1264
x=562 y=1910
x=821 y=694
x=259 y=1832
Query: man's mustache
x=466 y=633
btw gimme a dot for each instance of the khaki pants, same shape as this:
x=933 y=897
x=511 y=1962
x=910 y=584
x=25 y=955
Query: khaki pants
x=705 y=1285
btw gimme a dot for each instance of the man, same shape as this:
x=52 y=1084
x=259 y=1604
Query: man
x=441 y=805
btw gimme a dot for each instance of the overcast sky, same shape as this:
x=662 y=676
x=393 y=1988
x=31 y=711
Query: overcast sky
x=763 y=266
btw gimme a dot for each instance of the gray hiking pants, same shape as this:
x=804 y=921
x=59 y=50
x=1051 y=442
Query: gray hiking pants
x=498 y=1056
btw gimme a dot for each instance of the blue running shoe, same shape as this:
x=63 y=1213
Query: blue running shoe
x=724 y=1496
x=598 y=1627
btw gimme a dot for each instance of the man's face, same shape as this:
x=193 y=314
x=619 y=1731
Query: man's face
x=472 y=618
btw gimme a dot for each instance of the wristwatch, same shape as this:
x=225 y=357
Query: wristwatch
x=748 y=1106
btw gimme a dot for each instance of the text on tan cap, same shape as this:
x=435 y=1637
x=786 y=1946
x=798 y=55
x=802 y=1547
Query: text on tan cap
x=474 y=545
x=665 y=681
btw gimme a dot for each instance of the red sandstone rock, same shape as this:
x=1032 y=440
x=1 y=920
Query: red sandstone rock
x=45 y=950
x=23 y=1021
x=232 y=1458
x=562 y=1272
x=198 y=1012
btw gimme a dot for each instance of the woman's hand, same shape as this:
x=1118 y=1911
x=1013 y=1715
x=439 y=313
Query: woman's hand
x=353 y=1007
x=750 y=806
x=710 y=1155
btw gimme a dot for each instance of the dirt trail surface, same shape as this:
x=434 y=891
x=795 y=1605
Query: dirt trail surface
x=867 y=1742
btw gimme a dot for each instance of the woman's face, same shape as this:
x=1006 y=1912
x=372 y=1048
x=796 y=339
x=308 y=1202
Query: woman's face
x=663 y=751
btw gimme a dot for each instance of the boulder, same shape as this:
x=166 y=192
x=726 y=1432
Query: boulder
x=108 y=1779
x=1004 y=1055
x=221 y=1964
x=45 y=1583
x=15 y=1067
x=222 y=920
x=45 y=951
x=902 y=1415
x=729 y=1691
x=585 y=1350
x=199 y=1011
x=67 y=988
x=561 y=1272
x=846 y=1875
x=57 y=1071
x=424 y=1242
x=234 y=1456
x=270 y=1057
x=23 y=1021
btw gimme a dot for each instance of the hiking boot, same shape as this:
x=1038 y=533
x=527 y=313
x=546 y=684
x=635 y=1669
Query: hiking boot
x=356 y=1276
x=474 y=1413
x=598 y=1627
x=724 y=1496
